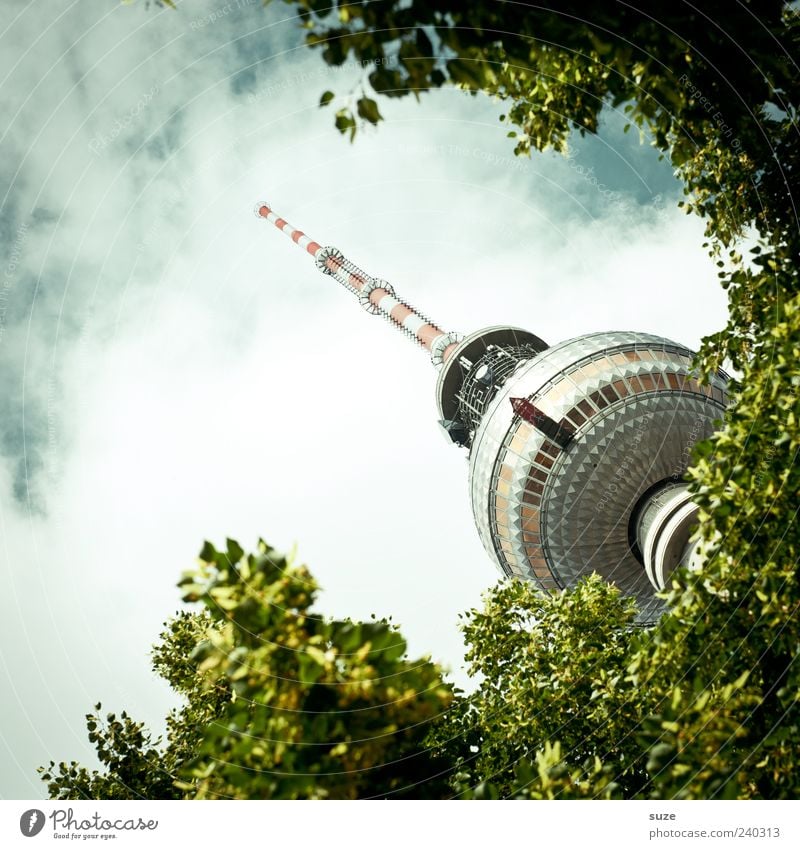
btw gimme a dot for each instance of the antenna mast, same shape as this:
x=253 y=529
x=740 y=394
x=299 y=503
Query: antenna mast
x=375 y=295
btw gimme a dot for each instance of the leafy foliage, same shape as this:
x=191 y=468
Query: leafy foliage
x=136 y=765
x=552 y=670
x=280 y=702
x=321 y=708
x=576 y=703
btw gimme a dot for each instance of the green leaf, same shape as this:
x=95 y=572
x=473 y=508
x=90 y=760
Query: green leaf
x=368 y=110
x=345 y=122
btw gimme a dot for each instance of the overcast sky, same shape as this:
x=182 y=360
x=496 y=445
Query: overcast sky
x=172 y=369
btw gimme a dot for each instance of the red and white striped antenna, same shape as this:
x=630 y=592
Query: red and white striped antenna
x=375 y=295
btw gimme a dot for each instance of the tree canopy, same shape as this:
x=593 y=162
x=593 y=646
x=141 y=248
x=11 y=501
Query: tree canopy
x=279 y=701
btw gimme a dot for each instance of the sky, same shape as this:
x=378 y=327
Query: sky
x=173 y=369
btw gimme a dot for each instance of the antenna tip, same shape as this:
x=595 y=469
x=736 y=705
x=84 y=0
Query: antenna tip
x=261 y=209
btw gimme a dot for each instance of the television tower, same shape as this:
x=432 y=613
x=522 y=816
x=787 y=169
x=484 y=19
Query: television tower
x=576 y=450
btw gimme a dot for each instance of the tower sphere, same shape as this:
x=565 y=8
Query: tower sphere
x=568 y=445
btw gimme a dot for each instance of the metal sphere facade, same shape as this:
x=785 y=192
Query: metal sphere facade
x=551 y=511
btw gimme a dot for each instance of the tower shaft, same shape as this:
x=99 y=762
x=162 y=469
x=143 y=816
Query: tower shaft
x=375 y=295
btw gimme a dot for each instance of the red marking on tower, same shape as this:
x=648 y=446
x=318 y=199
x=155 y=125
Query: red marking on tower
x=402 y=315
x=527 y=410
